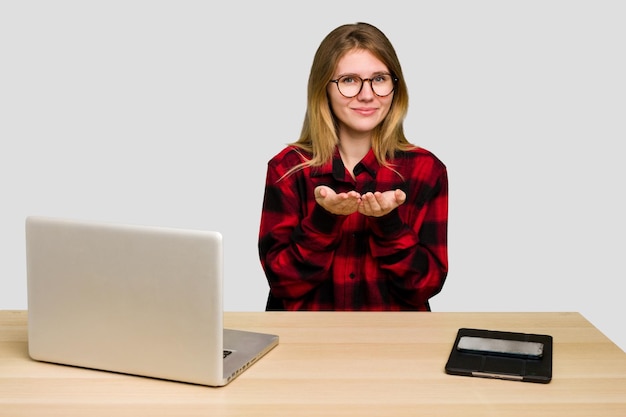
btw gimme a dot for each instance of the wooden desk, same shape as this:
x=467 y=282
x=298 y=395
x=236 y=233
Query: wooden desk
x=336 y=364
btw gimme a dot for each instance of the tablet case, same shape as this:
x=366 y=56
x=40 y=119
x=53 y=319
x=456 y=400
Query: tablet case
x=499 y=366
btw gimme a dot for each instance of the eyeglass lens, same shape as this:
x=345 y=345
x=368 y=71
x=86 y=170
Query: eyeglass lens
x=351 y=85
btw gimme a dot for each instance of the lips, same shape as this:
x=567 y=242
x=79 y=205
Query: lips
x=365 y=111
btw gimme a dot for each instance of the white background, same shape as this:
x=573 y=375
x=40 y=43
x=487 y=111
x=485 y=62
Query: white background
x=166 y=112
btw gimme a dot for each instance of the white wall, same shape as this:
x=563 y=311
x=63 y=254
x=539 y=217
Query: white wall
x=165 y=113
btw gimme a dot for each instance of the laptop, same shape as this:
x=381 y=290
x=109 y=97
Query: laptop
x=132 y=299
x=515 y=356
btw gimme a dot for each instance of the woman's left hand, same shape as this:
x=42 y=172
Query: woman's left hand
x=378 y=204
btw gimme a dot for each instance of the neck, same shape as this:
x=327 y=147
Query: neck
x=353 y=150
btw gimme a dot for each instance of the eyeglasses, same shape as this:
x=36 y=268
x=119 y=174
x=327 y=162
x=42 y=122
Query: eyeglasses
x=351 y=85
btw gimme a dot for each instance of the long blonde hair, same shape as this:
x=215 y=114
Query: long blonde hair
x=319 y=130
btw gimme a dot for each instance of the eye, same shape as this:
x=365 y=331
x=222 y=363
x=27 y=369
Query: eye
x=348 y=79
x=381 y=78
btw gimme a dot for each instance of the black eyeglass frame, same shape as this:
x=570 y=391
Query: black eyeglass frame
x=394 y=81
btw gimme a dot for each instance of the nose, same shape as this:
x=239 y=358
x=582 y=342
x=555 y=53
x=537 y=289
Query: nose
x=367 y=91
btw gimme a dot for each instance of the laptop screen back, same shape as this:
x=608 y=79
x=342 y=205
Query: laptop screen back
x=131 y=299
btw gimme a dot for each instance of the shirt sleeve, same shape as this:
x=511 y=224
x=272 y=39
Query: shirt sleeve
x=297 y=237
x=410 y=243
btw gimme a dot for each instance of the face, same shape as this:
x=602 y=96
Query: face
x=360 y=114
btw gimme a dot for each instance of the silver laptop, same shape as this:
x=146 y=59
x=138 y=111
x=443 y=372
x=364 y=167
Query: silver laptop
x=133 y=299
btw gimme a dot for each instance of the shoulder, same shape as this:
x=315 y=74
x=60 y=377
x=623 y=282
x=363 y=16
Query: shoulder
x=289 y=156
x=420 y=156
x=286 y=162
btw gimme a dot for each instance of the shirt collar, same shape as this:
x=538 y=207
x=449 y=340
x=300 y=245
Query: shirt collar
x=369 y=163
x=336 y=168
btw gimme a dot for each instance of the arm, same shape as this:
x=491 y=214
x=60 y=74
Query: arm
x=297 y=237
x=410 y=243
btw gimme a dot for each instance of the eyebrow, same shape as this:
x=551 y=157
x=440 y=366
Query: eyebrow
x=352 y=74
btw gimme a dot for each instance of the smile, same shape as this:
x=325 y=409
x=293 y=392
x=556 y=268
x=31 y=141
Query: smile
x=365 y=111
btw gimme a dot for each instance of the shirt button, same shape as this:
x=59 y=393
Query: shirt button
x=352 y=275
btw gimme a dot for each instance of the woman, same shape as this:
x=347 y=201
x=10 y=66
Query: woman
x=354 y=216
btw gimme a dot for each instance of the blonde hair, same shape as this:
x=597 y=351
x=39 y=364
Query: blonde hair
x=319 y=130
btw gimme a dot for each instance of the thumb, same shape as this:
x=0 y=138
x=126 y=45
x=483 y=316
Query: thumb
x=400 y=196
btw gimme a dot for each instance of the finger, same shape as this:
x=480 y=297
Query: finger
x=400 y=196
x=373 y=203
x=320 y=192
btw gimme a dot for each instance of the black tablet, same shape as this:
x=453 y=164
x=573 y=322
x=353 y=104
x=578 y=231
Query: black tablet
x=503 y=355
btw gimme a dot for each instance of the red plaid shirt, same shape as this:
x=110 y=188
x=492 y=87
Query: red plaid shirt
x=315 y=260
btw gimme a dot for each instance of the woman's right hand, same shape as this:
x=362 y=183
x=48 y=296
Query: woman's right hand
x=341 y=204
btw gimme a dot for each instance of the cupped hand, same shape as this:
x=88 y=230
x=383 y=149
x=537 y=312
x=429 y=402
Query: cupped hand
x=378 y=204
x=337 y=203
